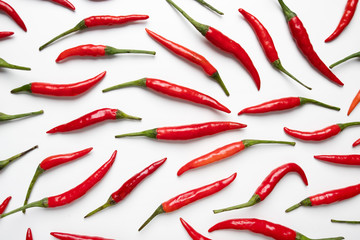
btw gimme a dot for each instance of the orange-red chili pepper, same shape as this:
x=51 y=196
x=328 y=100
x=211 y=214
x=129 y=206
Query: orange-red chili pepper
x=4 y=204
x=354 y=103
x=60 y=90
x=68 y=236
x=29 y=234
x=5 y=34
x=192 y=232
x=354 y=55
x=191 y=196
x=65 y=3
x=12 y=13
x=5 y=163
x=357 y=142
x=4 y=64
x=353 y=159
x=71 y=195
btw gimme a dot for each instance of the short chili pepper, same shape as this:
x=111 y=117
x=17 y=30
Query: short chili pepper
x=353 y=159
x=5 y=34
x=191 y=56
x=267 y=44
x=345 y=19
x=71 y=195
x=268 y=185
x=225 y=152
x=94 y=21
x=354 y=103
x=29 y=234
x=68 y=236
x=128 y=186
x=283 y=104
x=186 y=132
x=357 y=142
x=273 y=230
x=65 y=3
x=4 y=64
x=60 y=90
x=173 y=90
x=91 y=118
x=51 y=162
x=224 y=43
x=351 y=56
x=343 y=221
x=5 y=7
x=191 y=196
x=4 y=204
x=192 y=232
x=321 y=134
x=302 y=40
x=207 y=5
x=7 y=117
x=5 y=163
x=328 y=197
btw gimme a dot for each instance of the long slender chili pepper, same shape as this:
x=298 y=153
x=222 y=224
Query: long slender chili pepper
x=283 y=104
x=345 y=19
x=94 y=21
x=225 y=152
x=268 y=185
x=51 y=162
x=7 y=117
x=5 y=34
x=353 y=159
x=207 y=5
x=91 y=118
x=12 y=13
x=191 y=56
x=65 y=3
x=4 y=204
x=354 y=103
x=192 y=232
x=4 y=64
x=321 y=134
x=6 y=162
x=60 y=90
x=186 y=132
x=224 y=43
x=357 y=142
x=328 y=197
x=273 y=230
x=68 y=236
x=128 y=186
x=267 y=44
x=71 y=195
x=191 y=196
x=29 y=234
x=343 y=221
x=354 y=55
x=302 y=40
x=173 y=90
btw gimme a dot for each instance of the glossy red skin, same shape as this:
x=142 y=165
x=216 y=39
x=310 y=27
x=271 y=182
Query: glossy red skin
x=357 y=142
x=5 y=34
x=29 y=234
x=345 y=19
x=4 y=204
x=266 y=228
x=65 y=3
x=65 y=90
x=13 y=14
x=68 y=236
x=56 y=160
x=82 y=50
x=353 y=159
x=107 y=20
x=196 y=194
x=275 y=176
x=318 y=135
x=184 y=93
x=130 y=184
x=195 y=130
x=273 y=105
x=192 y=232
x=88 y=119
x=80 y=190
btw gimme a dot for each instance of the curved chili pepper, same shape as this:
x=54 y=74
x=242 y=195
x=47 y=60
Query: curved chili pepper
x=207 y=5
x=354 y=55
x=342 y=221
x=128 y=186
x=12 y=13
x=353 y=159
x=91 y=118
x=267 y=44
x=321 y=134
x=173 y=90
x=191 y=56
x=273 y=230
x=224 y=152
x=224 y=43
x=4 y=204
x=6 y=162
x=94 y=21
x=345 y=19
x=192 y=232
x=5 y=34
x=65 y=3
x=51 y=162
x=60 y=90
x=302 y=40
x=357 y=142
x=283 y=104
x=191 y=196
x=186 y=132
x=68 y=236
x=4 y=64
x=268 y=185
x=29 y=234
x=7 y=117
x=354 y=103
x=71 y=195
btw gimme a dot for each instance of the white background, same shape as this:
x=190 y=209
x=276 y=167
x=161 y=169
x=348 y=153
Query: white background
x=45 y=20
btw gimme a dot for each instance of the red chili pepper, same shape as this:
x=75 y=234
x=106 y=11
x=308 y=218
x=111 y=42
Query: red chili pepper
x=173 y=90
x=273 y=230
x=51 y=162
x=71 y=195
x=192 y=232
x=7 y=117
x=224 y=43
x=353 y=159
x=191 y=56
x=29 y=234
x=91 y=118
x=65 y=3
x=205 y=4
x=6 y=162
x=94 y=21
x=302 y=40
x=354 y=55
x=345 y=19
x=128 y=186
x=191 y=196
x=186 y=132
x=4 y=64
x=224 y=152
x=354 y=103
x=283 y=104
x=4 y=204
x=357 y=142
x=60 y=90
x=12 y=13
x=68 y=236
x=5 y=34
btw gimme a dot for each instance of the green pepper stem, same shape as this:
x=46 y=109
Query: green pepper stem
x=354 y=55
x=305 y=202
x=250 y=142
x=287 y=12
x=6 y=162
x=202 y=2
x=121 y=114
x=151 y=133
x=345 y=125
x=109 y=203
x=6 y=117
x=41 y=203
x=5 y=64
x=38 y=172
x=217 y=78
x=253 y=200
x=158 y=211
x=111 y=51
x=312 y=101
x=344 y=221
x=24 y=88
x=277 y=64
x=141 y=83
